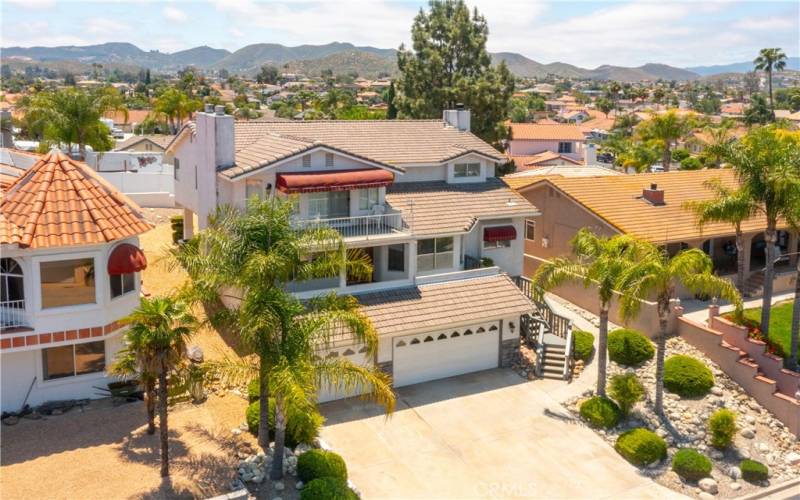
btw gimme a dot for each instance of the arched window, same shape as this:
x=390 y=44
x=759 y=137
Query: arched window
x=11 y=288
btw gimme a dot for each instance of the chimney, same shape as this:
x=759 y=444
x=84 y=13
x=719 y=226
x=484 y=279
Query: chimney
x=590 y=154
x=458 y=118
x=654 y=196
x=209 y=108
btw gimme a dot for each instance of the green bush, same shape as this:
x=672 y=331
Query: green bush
x=301 y=428
x=753 y=471
x=687 y=376
x=629 y=347
x=327 y=488
x=691 y=464
x=583 y=346
x=253 y=391
x=691 y=163
x=722 y=427
x=680 y=154
x=626 y=390
x=641 y=447
x=314 y=464
x=176 y=223
x=600 y=412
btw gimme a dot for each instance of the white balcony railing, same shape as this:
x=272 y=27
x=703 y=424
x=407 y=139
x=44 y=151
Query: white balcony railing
x=12 y=313
x=360 y=226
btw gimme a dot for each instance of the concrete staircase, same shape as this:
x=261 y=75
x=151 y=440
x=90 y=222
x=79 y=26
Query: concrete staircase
x=754 y=285
x=554 y=361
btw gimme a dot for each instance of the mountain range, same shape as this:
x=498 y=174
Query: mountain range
x=340 y=57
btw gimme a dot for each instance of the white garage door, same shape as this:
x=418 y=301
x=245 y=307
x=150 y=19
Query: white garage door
x=430 y=356
x=354 y=354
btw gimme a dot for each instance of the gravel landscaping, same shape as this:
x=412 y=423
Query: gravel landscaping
x=759 y=436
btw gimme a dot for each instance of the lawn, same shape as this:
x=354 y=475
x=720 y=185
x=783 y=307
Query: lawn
x=780 y=325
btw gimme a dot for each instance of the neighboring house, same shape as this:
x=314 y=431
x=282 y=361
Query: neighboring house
x=134 y=118
x=418 y=197
x=546 y=159
x=699 y=139
x=518 y=180
x=528 y=139
x=575 y=116
x=732 y=109
x=651 y=207
x=152 y=143
x=69 y=272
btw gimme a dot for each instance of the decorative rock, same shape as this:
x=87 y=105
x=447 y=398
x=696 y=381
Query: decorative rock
x=705 y=496
x=708 y=485
x=762 y=447
x=298 y=485
x=716 y=390
x=735 y=486
x=716 y=454
x=278 y=486
x=792 y=458
x=748 y=433
x=735 y=472
x=236 y=431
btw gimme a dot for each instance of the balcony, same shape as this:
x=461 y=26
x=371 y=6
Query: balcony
x=360 y=226
x=12 y=314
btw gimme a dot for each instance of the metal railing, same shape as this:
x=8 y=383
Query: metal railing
x=471 y=262
x=360 y=226
x=12 y=313
x=567 y=373
x=559 y=325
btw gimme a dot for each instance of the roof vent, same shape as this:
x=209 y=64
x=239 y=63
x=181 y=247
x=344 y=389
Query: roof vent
x=219 y=109
x=209 y=108
x=654 y=196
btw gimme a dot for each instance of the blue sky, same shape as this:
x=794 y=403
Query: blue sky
x=585 y=33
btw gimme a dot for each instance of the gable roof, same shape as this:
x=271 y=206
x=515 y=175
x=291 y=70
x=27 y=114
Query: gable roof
x=441 y=208
x=158 y=139
x=546 y=132
x=519 y=180
x=63 y=202
x=526 y=162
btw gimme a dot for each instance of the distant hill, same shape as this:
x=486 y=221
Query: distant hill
x=525 y=67
x=365 y=64
x=792 y=63
x=254 y=56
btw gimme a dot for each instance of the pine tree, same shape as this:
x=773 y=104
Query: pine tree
x=391 y=110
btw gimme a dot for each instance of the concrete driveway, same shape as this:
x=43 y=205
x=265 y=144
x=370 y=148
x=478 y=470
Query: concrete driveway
x=483 y=435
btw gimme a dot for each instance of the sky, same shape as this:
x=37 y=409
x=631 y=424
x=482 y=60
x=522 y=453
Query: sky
x=585 y=33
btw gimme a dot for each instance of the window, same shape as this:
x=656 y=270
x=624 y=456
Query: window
x=497 y=244
x=565 y=147
x=176 y=165
x=530 y=230
x=467 y=170
x=328 y=159
x=72 y=360
x=329 y=204
x=67 y=283
x=122 y=284
x=307 y=161
x=367 y=198
x=11 y=288
x=397 y=258
x=435 y=253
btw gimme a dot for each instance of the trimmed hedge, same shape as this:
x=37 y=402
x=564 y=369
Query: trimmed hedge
x=687 y=377
x=722 y=427
x=753 y=471
x=691 y=464
x=583 y=345
x=299 y=429
x=327 y=488
x=316 y=463
x=600 y=412
x=629 y=347
x=641 y=447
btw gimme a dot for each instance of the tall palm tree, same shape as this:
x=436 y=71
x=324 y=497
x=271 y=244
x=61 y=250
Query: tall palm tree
x=164 y=324
x=654 y=273
x=176 y=106
x=664 y=130
x=599 y=262
x=765 y=161
x=731 y=206
x=793 y=217
x=139 y=359
x=770 y=60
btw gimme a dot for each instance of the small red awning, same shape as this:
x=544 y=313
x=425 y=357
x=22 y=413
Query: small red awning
x=499 y=233
x=338 y=180
x=125 y=259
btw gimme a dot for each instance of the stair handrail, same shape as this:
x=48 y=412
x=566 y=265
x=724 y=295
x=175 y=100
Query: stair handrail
x=567 y=373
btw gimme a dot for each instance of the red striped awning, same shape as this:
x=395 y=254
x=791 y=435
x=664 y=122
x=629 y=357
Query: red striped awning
x=499 y=233
x=338 y=180
x=125 y=259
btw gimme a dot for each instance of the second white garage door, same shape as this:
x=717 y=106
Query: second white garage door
x=430 y=356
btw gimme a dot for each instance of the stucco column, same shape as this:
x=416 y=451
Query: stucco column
x=188 y=224
x=412 y=261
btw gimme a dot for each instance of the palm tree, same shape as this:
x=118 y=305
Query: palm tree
x=765 y=161
x=793 y=217
x=176 y=106
x=654 y=273
x=138 y=359
x=719 y=138
x=731 y=206
x=770 y=60
x=663 y=130
x=600 y=262
x=163 y=324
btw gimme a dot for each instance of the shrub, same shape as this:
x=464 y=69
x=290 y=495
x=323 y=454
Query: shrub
x=327 y=488
x=722 y=427
x=691 y=464
x=687 y=376
x=176 y=223
x=641 y=447
x=691 y=163
x=300 y=428
x=253 y=389
x=315 y=464
x=629 y=347
x=583 y=346
x=753 y=471
x=600 y=412
x=626 y=390
x=680 y=154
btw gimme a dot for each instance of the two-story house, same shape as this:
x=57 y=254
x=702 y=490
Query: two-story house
x=532 y=140
x=419 y=197
x=69 y=271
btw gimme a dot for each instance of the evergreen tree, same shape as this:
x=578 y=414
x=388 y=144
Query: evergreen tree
x=448 y=64
x=758 y=112
x=391 y=110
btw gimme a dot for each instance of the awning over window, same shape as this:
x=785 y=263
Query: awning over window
x=499 y=233
x=126 y=259
x=338 y=180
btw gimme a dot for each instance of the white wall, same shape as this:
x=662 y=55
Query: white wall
x=531 y=147
x=116 y=161
x=423 y=174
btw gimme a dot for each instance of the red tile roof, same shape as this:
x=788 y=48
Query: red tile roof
x=537 y=131
x=62 y=202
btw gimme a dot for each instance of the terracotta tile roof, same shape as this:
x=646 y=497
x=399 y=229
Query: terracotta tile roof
x=443 y=304
x=134 y=116
x=519 y=180
x=732 y=108
x=600 y=123
x=441 y=208
x=616 y=199
x=158 y=139
x=62 y=202
x=533 y=161
x=704 y=137
x=545 y=132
